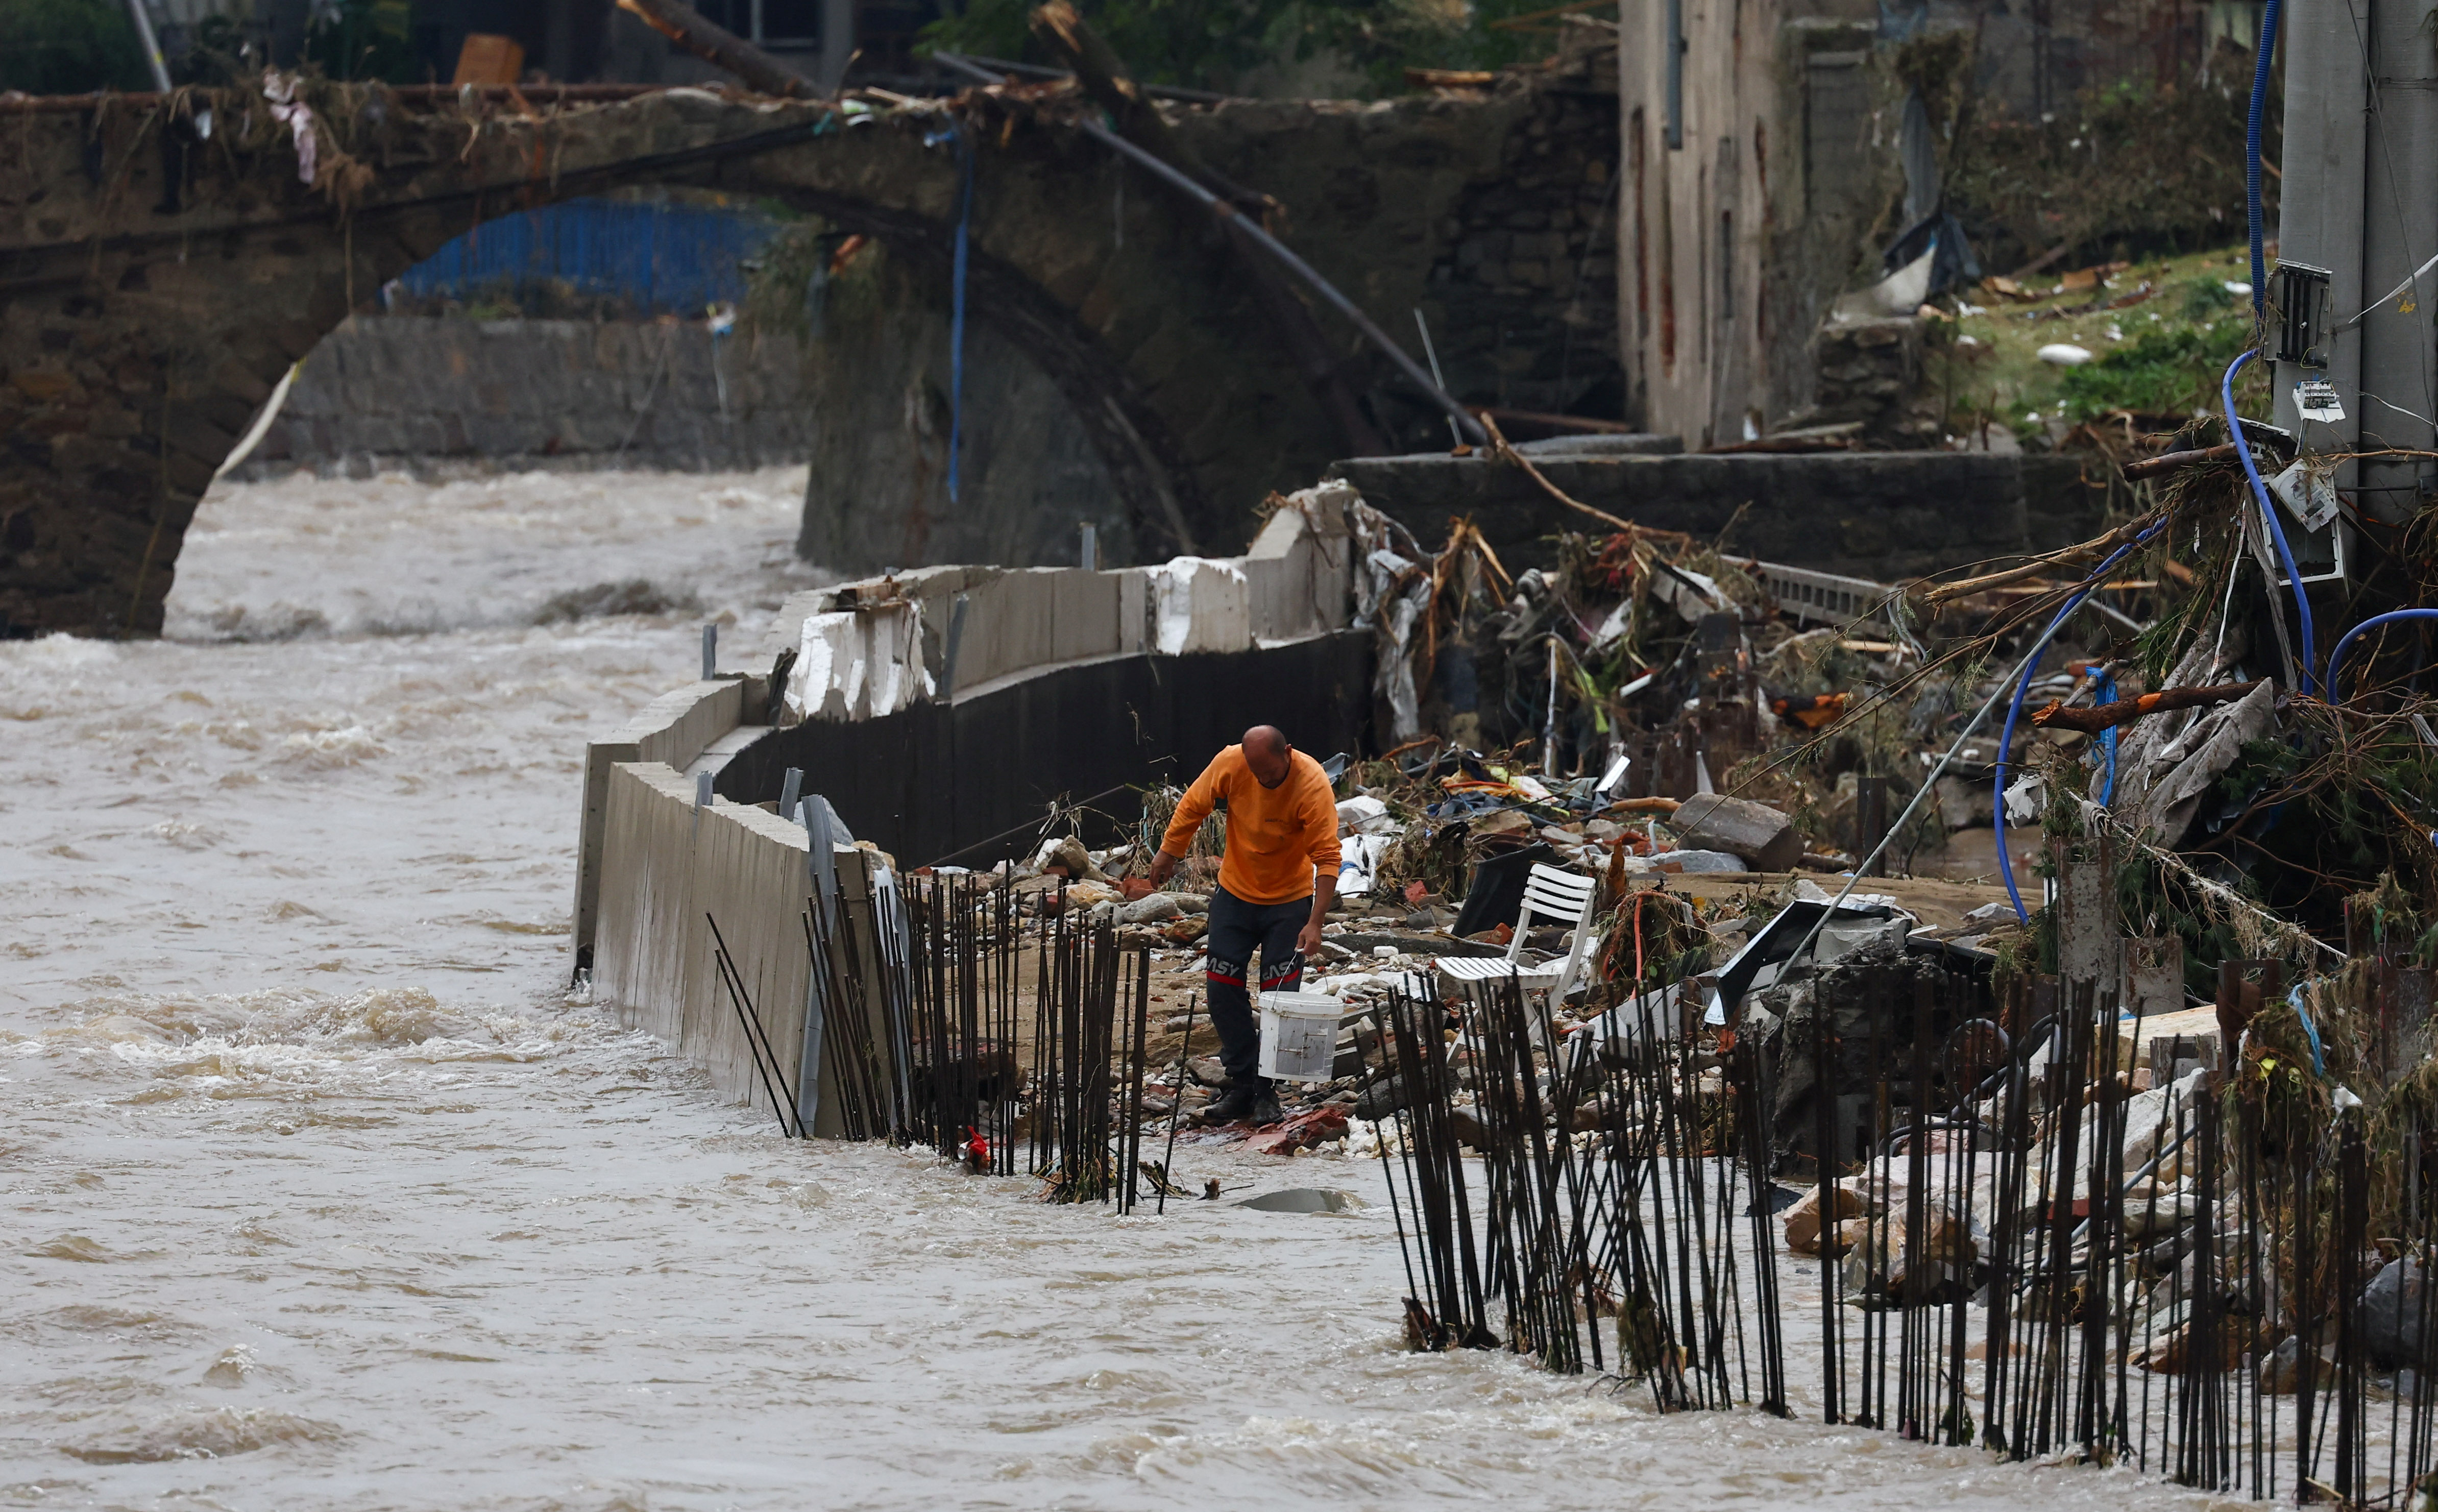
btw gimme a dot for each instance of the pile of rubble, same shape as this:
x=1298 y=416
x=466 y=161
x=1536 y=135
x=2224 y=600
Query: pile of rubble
x=1737 y=753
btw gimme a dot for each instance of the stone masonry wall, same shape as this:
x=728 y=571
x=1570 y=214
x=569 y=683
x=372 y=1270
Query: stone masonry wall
x=437 y=395
x=1526 y=285
x=1887 y=515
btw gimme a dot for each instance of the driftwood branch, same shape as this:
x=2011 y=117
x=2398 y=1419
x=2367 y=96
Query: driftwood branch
x=756 y=69
x=1939 y=593
x=2172 y=460
x=2101 y=717
x=1500 y=449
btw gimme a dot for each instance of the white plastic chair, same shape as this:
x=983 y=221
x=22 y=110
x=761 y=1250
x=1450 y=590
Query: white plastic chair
x=1551 y=894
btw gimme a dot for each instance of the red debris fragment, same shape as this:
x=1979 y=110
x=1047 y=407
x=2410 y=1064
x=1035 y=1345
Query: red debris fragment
x=1302 y=1132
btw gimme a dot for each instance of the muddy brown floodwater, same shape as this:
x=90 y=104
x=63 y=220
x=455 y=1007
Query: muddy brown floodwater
x=321 y=1194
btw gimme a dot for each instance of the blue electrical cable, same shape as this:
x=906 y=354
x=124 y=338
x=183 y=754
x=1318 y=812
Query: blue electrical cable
x=2015 y=709
x=2336 y=657
x=2106 y=694
x=957 y=308
x=2252 y=154
x=2268 y=514
x=2319 y=1059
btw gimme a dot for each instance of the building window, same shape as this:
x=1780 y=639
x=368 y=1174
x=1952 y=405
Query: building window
x=1727 y=265
x=1641 y=152
x=792 y=23
x=1667 y=240
x=1675 y=122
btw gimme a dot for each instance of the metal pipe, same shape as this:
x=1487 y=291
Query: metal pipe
x=151 y=44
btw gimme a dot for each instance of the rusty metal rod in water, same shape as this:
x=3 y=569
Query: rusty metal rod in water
x=1176 y=1106
x=758 y=1044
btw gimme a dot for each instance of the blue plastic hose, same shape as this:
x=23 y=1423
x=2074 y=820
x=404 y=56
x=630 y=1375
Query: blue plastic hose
x=2252 y=154
x=2337 y=657
x=2106 y=694
x=2269 y=512
x=2015 y=709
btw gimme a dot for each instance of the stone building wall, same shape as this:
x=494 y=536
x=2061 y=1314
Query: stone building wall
x=1758 y=158
x=1523 y=294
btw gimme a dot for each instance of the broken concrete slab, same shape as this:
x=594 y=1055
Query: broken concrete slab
x=1759 y=834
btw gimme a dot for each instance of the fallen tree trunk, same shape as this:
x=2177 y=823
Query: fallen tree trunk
x=2102 y=717
x=756 y=69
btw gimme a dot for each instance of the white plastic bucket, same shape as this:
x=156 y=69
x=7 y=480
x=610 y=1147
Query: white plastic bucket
x=1299 y=1035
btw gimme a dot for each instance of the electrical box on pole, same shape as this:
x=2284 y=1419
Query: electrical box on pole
x=2356 y=218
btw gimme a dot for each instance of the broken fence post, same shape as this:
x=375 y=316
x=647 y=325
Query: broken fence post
x=791 y=788
x=821 y=875
x=1871 y=821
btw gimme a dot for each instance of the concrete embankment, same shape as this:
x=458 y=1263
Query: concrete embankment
x=933 y=711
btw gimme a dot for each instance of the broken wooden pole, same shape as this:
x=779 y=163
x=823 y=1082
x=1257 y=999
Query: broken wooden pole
x=2172 y=460
x=2101 y=717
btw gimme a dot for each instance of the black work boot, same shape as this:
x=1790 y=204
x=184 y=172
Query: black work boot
x=1234 y=1102
x=1265 y=1110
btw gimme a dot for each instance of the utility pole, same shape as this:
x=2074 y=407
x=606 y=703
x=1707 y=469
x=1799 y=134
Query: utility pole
x=2360 y=155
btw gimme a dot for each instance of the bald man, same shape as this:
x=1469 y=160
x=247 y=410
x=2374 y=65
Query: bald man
x=1275 y=883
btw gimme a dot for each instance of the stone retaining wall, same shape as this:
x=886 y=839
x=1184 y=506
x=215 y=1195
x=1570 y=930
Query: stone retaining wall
x=437 y=395
x=1886 y=516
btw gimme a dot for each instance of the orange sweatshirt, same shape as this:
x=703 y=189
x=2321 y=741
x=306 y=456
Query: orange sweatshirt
x=1276 y=836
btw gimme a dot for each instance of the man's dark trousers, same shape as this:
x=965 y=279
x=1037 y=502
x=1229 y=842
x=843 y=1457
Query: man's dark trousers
x=1236 y=928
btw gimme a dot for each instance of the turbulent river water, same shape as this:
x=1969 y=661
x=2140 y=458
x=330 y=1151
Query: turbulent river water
x=322 y=1192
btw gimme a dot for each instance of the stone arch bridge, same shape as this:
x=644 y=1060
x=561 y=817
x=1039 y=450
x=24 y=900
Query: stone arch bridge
x=156 y=284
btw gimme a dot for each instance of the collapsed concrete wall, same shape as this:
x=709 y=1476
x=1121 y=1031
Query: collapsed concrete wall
x=940 y=713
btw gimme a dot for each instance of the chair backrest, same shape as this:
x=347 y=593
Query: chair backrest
x=1554 y=894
